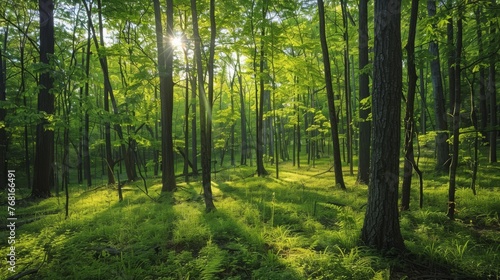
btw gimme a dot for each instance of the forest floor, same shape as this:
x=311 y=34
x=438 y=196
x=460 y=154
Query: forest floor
x=296 y=227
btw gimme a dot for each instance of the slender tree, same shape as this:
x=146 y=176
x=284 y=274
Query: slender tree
x=205 y=109
x=44 y=153
x=492 y=92
x=381 y=224
x=339 y=177
x=261 y=170
x=442 y=146
x=364 y=93
x=456 y=122
x=410 y=162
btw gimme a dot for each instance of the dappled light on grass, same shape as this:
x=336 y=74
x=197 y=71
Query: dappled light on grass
x=297 y=227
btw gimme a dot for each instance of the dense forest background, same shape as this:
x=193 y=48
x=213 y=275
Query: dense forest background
x=170 y=97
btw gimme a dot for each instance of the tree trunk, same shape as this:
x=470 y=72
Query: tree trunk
x=483 y=107
x=456 y=123
x=409 y=162
x=347 y=87
x=205 y=108
x=492 y=92
x=165 y=59
x=243 y=117
x=442 y=147
x=381 y=224
x=339 y=178
x=261 y=170
x=85 y=145
x=44 y=154
x=364 y=93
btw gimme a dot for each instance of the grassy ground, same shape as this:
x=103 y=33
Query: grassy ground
x=296 y=227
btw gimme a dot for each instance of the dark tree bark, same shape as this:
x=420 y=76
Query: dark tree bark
x=492 y=92
x=456 y=123
x=109 y=96
x=381 y=224
x=410 y=163
x=364 y=92
x=442 y=146
x=337 y=163
x=347 y=87
x=165 y=59
x=167 y=101
x=483 y=107
x=243 y=117
x=44 y=153
x=261 y=170
x=205 y=107
x=86 y=130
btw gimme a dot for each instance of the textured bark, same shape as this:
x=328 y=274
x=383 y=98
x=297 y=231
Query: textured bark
x=167 y=101
x=261 y=170
x=410 y=163
x=337 y=164
x=165 y=60
x=205 y=109
x=456 y=124
x=44 y=153
x=381 y=224
x=86 y=130
x=364 y=92
x=442 y=146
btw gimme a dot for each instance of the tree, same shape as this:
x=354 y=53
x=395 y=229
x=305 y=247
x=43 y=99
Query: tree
x=364 y=93
x=442 y=147
x=44 y=153
x=409 y=163
x=165 y=60
x=205 y=107
x=339 y=178
x=261 y=170
x=492 y=92
x=381 y=223
x=456 y=122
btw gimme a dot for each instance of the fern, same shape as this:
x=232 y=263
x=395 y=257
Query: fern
x=211 y=261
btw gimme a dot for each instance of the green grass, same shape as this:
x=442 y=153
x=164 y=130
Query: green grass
x=295 y=227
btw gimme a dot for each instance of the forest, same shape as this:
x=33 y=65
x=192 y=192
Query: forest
x=249 y=139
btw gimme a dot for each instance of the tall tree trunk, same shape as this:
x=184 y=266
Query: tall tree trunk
x=167 y=101
x=261 y=170
x=86 y=130
x=381 y=224
x=364 y=93
x=205 y=107
x=339 y=178
x=483 y=107
x=44 y=154
x=456 y=122
x=243 y=117
x=347 y=87
x=186 y=123
x=165 y=60
x=109 y=96
x=442 y=147
x=410 y=163
x=492 y=92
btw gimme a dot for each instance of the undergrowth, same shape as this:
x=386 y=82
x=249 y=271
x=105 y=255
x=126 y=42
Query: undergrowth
x=295 y=227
